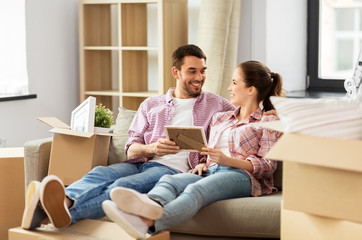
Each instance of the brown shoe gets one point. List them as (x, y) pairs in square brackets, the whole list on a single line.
[(34, 213), (52, 197)]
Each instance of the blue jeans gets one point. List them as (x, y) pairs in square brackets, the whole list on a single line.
[(183, 195), (89, 192)]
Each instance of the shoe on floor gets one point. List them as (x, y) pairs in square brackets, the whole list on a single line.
[(34, 213), (132, 224), (52, 197), (133, 202)]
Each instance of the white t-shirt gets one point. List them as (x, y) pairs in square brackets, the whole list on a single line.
[(223, 143), (182, 117)]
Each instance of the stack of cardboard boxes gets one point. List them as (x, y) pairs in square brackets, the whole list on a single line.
[(12, 187), (322, 187)]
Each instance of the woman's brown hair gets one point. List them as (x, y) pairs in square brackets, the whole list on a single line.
[(266, 82)]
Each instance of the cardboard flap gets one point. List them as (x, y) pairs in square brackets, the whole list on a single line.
[(329, 152), (71, 132), (53, 122)]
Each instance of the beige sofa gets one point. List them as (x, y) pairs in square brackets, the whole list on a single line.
[(242, 218)]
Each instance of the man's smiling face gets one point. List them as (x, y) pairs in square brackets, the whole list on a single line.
[(191, 77)]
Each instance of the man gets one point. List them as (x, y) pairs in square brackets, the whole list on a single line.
[(150, 154)]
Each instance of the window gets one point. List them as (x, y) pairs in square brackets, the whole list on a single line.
[(334, 41), (13, 72)]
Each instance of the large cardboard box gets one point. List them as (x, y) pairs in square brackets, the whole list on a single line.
[(321, 176), (301, 226), (75, 153), (84, 229), (12, 187)]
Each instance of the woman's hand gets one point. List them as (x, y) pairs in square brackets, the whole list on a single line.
[(215, 155), (199, 169)]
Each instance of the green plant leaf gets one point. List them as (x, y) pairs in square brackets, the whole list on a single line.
[(103, 117)]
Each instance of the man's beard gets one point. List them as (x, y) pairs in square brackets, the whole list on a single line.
[(189, 92)]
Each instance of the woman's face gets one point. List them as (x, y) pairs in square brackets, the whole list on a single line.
[(239, 92)]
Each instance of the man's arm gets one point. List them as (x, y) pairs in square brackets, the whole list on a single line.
[(227, 106), (160, 148)]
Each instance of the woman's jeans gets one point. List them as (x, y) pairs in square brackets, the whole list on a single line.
[(89, 192), (183, 195)]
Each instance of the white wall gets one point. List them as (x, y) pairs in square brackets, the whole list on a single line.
[(52, 55), (286, 41), (273, 32)]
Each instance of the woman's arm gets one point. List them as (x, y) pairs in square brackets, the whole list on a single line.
[(217, 156), (264, 167)]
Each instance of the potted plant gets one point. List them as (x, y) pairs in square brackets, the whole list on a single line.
[(103, 119)]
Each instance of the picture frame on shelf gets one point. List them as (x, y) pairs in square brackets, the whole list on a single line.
[(82, 118)]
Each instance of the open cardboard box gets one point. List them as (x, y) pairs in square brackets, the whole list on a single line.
[(75, 153), (321, 176), (300, 226), (84, 229)]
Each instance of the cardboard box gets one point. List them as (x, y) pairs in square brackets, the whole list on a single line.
[(75, 153), (12, 187), (84, 229), (321, 176), (301, 226)]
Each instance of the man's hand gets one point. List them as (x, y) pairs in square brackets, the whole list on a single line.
[(273, 112), (199, 169), (163, 147), (215, 155)]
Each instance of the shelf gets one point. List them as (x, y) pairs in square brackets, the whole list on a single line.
[(140, 94), (139, 48), (99, 1), (128, 48), (101, 48), (124, 94), (116, 1), (140, 1)]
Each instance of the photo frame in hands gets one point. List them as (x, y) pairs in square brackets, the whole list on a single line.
[(83, 116), (188, 138)]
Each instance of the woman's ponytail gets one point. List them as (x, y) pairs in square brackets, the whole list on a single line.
[(275, 89)]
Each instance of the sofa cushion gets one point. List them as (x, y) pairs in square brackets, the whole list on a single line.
[(116, 148), (36, 159), (247, 217)]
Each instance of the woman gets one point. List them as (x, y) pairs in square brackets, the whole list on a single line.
[(235, 166)]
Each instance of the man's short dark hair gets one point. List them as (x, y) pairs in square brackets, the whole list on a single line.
[(186, 50)]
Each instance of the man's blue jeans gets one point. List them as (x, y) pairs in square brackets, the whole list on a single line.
[(183, 195), (89, 192)]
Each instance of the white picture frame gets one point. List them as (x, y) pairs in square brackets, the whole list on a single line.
[(83, 116)]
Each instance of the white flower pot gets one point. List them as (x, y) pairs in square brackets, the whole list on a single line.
[(101, 130)]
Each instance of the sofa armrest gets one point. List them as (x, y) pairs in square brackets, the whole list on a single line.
[(36, 159)]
